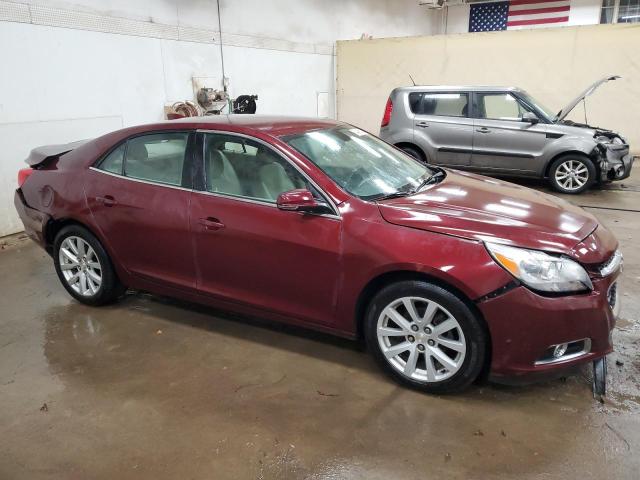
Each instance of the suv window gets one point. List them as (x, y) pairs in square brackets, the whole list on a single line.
[(158, 157), (245, 168), (499, 106), (451, 104)]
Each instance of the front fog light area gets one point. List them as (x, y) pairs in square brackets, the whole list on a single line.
[(562, 352)]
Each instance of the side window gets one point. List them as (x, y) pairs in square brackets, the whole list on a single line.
[(113, 162), (158, 157), (499, 106), (445, 104), (244, 168)]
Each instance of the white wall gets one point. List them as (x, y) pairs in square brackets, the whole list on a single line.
[(582, 12), (77, 70)]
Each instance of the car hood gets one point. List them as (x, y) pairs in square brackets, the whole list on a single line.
[(480, 208), (592, 88)]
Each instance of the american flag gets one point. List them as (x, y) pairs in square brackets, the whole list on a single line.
[(518, 14)]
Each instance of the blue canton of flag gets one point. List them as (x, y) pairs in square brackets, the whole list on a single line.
[(488, 17)]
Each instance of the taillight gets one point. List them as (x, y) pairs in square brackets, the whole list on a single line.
[(23, 174), (386, 118)]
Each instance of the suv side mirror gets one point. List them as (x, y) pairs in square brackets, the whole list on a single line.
[(301, 200), (530, 117)]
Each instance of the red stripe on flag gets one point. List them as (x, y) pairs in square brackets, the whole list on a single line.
[(529, 2), (538, 10), (517, 23)]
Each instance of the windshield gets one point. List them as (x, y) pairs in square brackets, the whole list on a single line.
[(360, 163), (535, 103)]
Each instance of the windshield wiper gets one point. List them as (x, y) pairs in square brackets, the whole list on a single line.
[(405, 192), (435, 178)]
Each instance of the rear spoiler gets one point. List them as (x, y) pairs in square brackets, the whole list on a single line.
[(40, 155)]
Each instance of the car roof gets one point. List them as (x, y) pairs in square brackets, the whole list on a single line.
[(455, 88), (269, 124)]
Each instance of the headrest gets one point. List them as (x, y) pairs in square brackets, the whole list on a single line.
[(215, 163), (137, 151)]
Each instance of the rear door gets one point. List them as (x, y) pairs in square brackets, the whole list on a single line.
[(502, 142), (139, 195), (443, 127)]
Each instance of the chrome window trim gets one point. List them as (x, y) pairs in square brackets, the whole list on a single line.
[(284, 156), (138, 180)]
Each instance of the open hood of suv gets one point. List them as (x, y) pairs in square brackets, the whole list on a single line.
[(481, 208), (566, 110)]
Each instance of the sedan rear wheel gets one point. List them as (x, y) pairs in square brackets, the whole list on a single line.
[(425, 336), (84, 268)]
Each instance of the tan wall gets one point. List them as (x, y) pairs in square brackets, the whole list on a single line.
[(554, 65)]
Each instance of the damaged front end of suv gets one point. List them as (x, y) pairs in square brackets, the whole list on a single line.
[(612, 156), (611, 151)]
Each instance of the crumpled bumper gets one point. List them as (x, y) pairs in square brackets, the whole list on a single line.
[(524, 325), (33, 220), (616, 164)]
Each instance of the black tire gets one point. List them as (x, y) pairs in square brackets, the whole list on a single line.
[(581, 162), (475, 335), (110, 287), (414, 152)]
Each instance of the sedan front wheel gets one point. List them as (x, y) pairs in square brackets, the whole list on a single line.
[(425, 337)]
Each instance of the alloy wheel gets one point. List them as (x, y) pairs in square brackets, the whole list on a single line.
[(421, 339), (80, 266), (572, 175)]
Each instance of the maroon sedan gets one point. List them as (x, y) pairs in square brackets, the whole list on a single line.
[(320, 224)]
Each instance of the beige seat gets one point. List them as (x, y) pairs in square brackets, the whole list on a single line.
[(220, 174), (273, 180)]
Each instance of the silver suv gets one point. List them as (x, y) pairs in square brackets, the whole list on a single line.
[(504, 131)]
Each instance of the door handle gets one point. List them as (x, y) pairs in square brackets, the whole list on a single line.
[(483, 130), (107, 200), (211, 223), (422, 124)]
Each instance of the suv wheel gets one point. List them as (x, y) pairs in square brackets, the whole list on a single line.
[(84, 268), (425, 337), (572, 174)]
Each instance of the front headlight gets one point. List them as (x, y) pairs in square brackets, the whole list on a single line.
[(541, 271)]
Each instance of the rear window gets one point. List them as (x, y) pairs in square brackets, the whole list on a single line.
[(447, 104)]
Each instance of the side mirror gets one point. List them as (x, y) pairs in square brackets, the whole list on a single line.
[(530, 117), (301, 200)]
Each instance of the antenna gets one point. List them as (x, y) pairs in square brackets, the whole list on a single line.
[(412, 80)]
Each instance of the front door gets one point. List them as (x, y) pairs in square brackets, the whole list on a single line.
[(443, 127), (139, 196), (502, 142), (249, 251)]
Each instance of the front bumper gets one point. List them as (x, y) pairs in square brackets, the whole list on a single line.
[(33, 220), (524, 324), (620, 170)]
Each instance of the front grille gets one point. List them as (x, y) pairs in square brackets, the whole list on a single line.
[(612, 295)]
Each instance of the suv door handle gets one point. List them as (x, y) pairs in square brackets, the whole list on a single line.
[(483, 130), (107, 200), (422, 124), (211, 223)]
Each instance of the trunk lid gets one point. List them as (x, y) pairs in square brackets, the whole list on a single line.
[(42, 154)]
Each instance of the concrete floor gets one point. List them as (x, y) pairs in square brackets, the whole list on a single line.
[(150, 388)]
